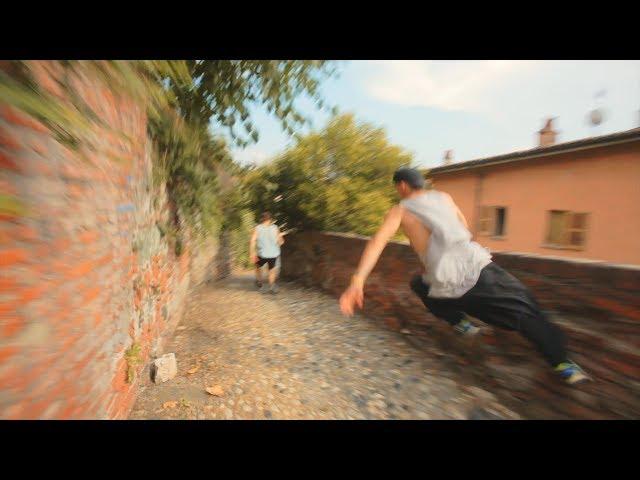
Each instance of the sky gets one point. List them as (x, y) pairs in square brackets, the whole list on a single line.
[(476, 108)]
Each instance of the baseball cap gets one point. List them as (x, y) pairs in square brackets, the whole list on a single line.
[(413, 177)]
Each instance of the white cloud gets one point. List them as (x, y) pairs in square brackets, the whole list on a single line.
[(517, 94), (250, 155), (448, 85)]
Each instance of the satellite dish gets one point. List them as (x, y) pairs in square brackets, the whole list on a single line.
[(596, 117)]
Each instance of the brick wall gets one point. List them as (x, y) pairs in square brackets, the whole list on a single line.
[(595, 303), (85, 271)]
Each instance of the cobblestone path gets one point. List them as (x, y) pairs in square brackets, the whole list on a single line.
[(294, 356)]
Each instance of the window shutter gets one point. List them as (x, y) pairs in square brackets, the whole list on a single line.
[(483, 221), (557, 227)]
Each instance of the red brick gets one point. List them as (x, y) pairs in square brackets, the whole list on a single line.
[(7, 284), (10, 325), (43, 168), (8, 163), (11, 257), (61, 244), (8, 308), (16, 117), (9, 142), (7, 188), (105, 260), (91, 294), (621, 367), (47, 79), (25, 233), (7, 352), (615, 307), (63, 311), (13, 412), (119, 382), (38, 147), (580, 412), (75, 191), (67, 412), (32, 293), (72, 172), (88, 236), (35, 373), (81, 269), (10, 376), (42, 251)]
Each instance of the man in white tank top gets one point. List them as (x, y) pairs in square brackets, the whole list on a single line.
[(460, 279), (264, 248)]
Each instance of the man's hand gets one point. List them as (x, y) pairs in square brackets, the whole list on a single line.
[(252, 246), (352, 297)]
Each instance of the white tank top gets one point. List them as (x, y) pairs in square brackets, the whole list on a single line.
[(453, 261), (267, 240)]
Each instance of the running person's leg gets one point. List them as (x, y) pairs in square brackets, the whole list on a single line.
[(445, 309), (258, 275), (259, 264), (449, 310), (272, 272), (500, 299)]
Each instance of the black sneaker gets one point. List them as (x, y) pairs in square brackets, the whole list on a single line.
[(258, 284)]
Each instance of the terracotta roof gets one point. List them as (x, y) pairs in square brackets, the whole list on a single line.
[(585, 143)]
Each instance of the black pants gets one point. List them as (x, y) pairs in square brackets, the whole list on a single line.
[(500, 299)]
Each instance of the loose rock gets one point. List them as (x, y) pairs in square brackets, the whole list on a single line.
[(164, 368)]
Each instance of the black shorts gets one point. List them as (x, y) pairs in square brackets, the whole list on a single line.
[(271, 261)]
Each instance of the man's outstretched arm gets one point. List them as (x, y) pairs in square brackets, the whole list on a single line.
[(252, 246), (280, 236), (354, 294)]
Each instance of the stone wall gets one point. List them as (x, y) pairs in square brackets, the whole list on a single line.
[(86, 270), (595, 303)]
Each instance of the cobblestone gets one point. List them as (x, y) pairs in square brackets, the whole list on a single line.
[(294, 356)]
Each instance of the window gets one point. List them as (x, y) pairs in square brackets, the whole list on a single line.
[(492, 221), (566, 229), (501, 217)]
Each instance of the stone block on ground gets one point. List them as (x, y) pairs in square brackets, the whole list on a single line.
[(164, 368)]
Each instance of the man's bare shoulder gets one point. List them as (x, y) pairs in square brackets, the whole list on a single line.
[(447, 197), (396, 211)]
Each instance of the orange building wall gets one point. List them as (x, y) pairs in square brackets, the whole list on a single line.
[(604, 182)]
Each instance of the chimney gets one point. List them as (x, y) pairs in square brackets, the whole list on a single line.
[(448, 157), (547, 134)]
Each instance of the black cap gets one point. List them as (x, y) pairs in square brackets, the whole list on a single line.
[(413, 177)]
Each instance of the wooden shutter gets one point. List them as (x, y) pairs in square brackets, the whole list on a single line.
[(486, 220), (577, 229), (557, 227)]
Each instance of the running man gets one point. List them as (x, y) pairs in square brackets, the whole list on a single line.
[(460, 279), (267, 239)]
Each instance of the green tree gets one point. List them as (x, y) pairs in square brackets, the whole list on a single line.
[(337, 179), (223, 91), (186, 101)]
